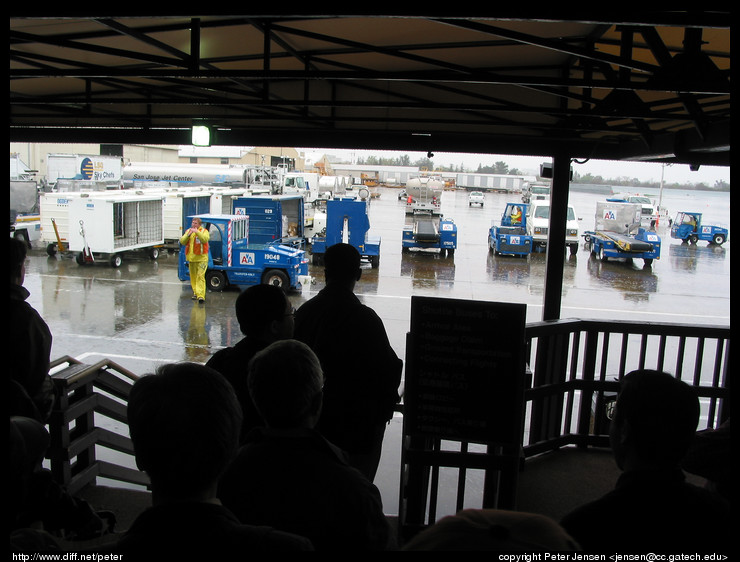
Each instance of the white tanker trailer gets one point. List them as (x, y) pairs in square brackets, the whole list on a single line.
[(136, 174)]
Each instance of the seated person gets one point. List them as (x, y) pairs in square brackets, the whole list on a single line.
[(184, 423), (495, 530), (287, 475), (265, 315), (652, 508)]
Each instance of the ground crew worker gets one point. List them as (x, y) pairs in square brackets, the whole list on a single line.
[(195, 241), (516, 216)]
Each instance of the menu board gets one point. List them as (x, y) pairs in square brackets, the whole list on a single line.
[(465, 366)]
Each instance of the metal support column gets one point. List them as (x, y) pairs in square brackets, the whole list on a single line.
[(556, 237)]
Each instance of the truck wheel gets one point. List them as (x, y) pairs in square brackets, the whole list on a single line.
[(693, 239), (154, 253), (719, 239), (374, 261), (51, 249), (648, 262), (277, 278), (215, 281), (116, 260), (602, 255)]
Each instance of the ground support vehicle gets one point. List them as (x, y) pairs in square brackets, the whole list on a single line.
[(476, 198), (535, 192), (430, 231), (234, 259), (25, 220), (649, 217), (538, 225), (510, 237), (613, 235), (424, 195), (689, 228), (273, 219), (105, 225), (346, 221)]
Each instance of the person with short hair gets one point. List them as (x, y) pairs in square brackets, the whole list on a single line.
[(29, 385), (287, 475), (652, 508), (265, 315), (362, 371), (184, 422)]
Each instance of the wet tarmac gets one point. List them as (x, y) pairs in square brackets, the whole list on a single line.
[(140, 315)]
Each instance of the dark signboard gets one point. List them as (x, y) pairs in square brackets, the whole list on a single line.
[(465, 370)]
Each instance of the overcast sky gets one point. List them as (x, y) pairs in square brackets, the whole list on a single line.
[(675, 173)]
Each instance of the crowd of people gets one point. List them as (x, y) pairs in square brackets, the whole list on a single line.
[(274, 444)]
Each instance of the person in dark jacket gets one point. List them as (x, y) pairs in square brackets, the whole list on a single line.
[(652, 508), (287, 475), (30, 387), (184, 422), (265, 315), (362, 371)]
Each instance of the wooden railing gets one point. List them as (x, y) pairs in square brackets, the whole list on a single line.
[(574, 368), (84, 392)]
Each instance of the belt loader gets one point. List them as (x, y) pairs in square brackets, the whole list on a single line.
[(612, 236)]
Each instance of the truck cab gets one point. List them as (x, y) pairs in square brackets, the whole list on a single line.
[(510, 237), (538, 224), (648, 214), (234, 260), (689, 228)]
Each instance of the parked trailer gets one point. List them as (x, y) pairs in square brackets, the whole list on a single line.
[(183, 174), (613, 236), (55, 224), (510, 236), (347, 221), (424, 195), (490, 182), (234, 258), (104, 226), (88, 167), (689, 228)]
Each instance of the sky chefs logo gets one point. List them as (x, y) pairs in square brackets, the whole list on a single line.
[(97, 170), (86, 169)]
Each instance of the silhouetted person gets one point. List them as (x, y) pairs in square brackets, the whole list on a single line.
[(652, 508), (361, 369), (41, 512), (265, 315), (710, 457), (288, 475), (184, 423), (29, 386), (493, 530)]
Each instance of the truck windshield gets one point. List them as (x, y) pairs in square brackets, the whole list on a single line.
[(543, 212)]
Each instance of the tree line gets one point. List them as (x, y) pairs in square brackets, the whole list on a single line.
[(502, 168)]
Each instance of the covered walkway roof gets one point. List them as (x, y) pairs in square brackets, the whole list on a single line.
[(626, 84), (570, 85)]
